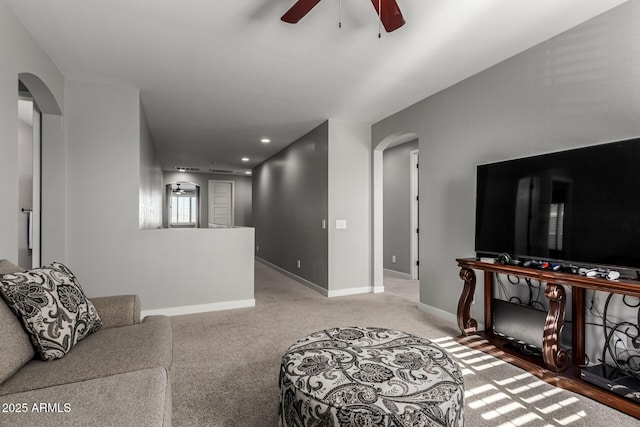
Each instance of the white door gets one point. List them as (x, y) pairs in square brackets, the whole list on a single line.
[(221, 202)]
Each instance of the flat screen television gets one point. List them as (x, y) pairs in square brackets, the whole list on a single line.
[(579, 206)]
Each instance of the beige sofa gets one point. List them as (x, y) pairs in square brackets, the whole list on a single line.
[(119, 375)]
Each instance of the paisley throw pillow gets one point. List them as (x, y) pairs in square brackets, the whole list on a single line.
[(52, 307)]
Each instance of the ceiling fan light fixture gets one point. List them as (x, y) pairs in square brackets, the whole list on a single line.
[(178, 190), (298, 11), (389, 14), (388, 11)]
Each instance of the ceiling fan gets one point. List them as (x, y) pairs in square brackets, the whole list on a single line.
[(178, 190), (388, 11)]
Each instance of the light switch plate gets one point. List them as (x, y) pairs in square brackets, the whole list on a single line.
[(341, 224)]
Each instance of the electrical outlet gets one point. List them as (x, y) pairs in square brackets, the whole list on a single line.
[(299, 264), (393, 259), (257, 248)]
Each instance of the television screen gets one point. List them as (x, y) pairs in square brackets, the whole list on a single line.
[(578, 206)]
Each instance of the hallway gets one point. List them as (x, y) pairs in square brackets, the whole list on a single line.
[(404, 288)]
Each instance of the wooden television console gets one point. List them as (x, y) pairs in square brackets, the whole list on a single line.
[(557, 366)]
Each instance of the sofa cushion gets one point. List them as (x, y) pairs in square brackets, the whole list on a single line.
[(52, 307), (8, 267), (15, 347), (118, 310), (106, 352), (138, 398)]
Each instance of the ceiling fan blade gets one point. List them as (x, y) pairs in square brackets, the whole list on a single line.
[(299, 10), (390, 14)]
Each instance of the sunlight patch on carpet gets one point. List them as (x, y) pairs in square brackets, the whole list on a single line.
[(522, 420), (572, 418), (494, 394), (542, 396)]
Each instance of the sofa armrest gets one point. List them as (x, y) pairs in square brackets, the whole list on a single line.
[(118, 310)]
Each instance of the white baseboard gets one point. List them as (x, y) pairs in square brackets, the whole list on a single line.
[(355, 291), (200, 308), (398, 274), (298, 279), (321, 290), (445, 315)]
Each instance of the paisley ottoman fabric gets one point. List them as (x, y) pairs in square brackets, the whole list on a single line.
[(369, 377)]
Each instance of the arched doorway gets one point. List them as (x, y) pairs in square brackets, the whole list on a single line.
[(182, 207), (47, 211), (378, 220)]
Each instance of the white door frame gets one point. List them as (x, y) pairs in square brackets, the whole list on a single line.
[(378, 220), (50, 169), (30, 236), (414, 215), (37, 189)]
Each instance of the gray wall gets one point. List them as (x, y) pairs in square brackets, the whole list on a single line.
[(349, 199), (106, 248), (290, 200), (242, 215), (325, 175), (579, 88), (397, 207), (91, 202), (150, 204), (21, 54), (54, 199)]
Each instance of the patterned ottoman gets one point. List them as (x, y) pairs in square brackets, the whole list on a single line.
[(369, 377)]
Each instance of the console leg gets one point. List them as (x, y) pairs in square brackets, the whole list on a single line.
[(466, 323), (555, 357)]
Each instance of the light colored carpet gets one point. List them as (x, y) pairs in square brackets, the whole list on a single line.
[(401, 287), (227, 362)]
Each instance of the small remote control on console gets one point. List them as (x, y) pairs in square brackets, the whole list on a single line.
[(568, 268), (602, 273), (564, 268), (613, 275)]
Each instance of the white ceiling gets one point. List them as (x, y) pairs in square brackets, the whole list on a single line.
[(216, 76)]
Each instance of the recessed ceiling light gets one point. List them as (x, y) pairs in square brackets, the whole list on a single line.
[(248, 172), (265, 140), (245, 159)]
